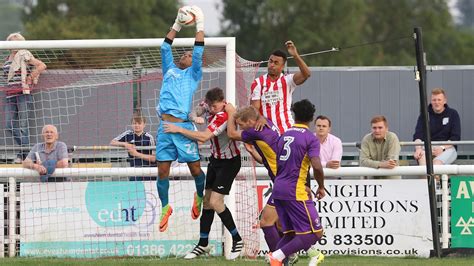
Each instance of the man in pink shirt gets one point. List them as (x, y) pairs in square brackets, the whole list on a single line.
[(331, 146)]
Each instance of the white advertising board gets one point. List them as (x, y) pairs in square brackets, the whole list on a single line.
[(370, 217), (94, 219)]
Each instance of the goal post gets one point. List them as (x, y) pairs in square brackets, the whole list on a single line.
[(88, 91)]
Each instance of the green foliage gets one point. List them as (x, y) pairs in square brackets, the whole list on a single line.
[(262, 26), (89, 19)]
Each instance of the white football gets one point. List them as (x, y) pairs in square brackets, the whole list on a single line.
[(185, 16)]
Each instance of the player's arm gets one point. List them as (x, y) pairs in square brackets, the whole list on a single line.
[(251, 149), (196, 114), (262, 121), (318, 176), (198, 50), (201, 136), (232, 131), (166, 53), (304, 72)]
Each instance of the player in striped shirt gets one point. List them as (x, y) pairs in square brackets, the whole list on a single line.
[(272, 93), (224, 164), (298, 150)]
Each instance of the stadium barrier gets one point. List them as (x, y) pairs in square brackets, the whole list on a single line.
[(14, 176)]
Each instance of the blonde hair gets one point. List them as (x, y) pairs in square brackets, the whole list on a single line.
[(246, 113), (437, 91), (16, 36)]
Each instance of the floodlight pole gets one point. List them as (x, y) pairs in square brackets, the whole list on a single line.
[(421, 77)]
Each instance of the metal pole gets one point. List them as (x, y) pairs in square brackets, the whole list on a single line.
[(421, 73), (137, 86)]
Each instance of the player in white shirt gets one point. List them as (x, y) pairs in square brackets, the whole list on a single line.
[(272, 93)]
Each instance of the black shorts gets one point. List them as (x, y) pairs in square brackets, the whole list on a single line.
[(221, 174)]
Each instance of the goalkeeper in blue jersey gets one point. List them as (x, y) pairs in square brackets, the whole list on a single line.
[(180, 81)]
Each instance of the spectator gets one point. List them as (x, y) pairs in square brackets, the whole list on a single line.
[(130, 139), (22, 71), (47, 156), (381, 148), (445, 125), (331, 146)]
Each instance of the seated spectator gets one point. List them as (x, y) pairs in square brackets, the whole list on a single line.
[(445, 125), (47, 156), (381, 148), (130, 139), (22, 71), (331, 146)]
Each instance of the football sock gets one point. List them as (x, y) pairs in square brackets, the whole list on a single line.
[(299, 242), (272, 237), (228, 222), (199, 182), (163, 185), (205, 224)]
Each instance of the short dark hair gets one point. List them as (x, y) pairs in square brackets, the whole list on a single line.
[(214, 95), (281, 54), (304, 111), (323, 117)]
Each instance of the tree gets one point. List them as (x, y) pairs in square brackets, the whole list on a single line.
[(96, 19), (262, 26)]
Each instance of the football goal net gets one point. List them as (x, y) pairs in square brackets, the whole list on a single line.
[(90, 92)]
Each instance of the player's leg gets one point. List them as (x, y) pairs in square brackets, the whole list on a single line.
[(205, 224), (303, 219), (165, 154), (199, 181), (226, 171), (207, 217), (188, 152), (163, 185), (268, 225)]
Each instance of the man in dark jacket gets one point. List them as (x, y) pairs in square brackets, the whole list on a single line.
[(445, 125)]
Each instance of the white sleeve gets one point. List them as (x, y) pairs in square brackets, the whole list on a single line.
[(290, 82), (256, 90)]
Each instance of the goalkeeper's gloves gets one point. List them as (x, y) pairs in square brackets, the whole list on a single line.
[(199, 15), (176, 26)]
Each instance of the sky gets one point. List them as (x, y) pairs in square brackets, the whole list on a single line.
[(211, 14)]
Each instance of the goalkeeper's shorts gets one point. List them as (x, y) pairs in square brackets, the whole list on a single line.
[(172, 146)]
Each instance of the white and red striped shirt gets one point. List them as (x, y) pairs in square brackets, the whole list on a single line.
[(275, 97), (222, 147)]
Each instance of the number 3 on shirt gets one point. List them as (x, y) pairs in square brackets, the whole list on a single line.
[(288, 140)]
